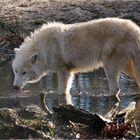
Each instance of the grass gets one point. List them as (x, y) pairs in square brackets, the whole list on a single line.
[(40, 21)]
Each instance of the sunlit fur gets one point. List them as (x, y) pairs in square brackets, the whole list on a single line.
[(111, 43)]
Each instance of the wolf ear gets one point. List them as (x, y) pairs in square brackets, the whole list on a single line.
[(16, 50), (34, 58)]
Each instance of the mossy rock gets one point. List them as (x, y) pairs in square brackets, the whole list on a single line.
[(24, 123)]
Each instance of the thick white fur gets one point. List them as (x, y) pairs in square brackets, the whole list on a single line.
[(111, 43)]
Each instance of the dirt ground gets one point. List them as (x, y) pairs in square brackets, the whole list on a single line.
[(19, 17), (29, 14)]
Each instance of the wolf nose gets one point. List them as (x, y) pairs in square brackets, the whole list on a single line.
[(16, 87)]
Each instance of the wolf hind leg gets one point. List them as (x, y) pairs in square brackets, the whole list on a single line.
[(133, 69), (137, 67), (113, 75)]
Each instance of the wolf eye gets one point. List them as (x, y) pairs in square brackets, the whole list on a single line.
[(24, 73)]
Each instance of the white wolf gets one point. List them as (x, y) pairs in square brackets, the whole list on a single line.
[(111, 43)]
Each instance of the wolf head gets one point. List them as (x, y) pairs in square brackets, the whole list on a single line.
[(27, 68)]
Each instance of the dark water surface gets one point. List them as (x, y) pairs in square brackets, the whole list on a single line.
[(89, 91)]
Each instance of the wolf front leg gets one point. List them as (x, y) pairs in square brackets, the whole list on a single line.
[(65, 78)]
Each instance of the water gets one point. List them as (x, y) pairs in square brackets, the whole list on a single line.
[(89, 91)]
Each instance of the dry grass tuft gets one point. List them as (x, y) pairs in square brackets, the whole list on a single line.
[(11, 32)]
